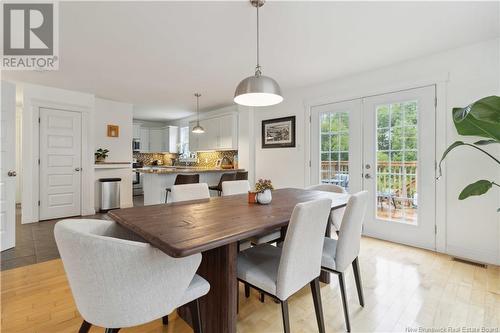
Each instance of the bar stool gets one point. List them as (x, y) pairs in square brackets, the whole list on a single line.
[(226, 177), (242, 175), (183, 179)]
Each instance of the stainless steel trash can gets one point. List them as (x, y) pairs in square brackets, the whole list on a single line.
[(110, 193)]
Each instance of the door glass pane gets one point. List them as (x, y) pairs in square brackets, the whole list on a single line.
[(334, 148), (397, 131)]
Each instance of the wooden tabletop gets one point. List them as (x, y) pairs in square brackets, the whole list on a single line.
[(184, 228)]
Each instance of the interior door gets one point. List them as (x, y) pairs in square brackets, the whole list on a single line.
[(8, 167), (399, 166), (60, 163), (336, 144)]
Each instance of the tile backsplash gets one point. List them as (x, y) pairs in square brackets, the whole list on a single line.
[(206, 159)]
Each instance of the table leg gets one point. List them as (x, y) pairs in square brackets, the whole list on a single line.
[(218, 307), (325, 276)]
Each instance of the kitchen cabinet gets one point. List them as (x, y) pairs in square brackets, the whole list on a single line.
[(170, 139), (155, 140), (144, 138), (136, 131), (221, 133)]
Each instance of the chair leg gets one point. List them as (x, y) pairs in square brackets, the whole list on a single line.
[(111, 330), (286, 320), (318, 307), (194, 308), (247, 290), (359, 285), (85, 328), (164, 320), (344, 301)]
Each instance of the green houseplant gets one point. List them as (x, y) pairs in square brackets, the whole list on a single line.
[(101, 154), (481, 118)]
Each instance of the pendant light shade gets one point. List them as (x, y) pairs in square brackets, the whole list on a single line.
[(258, 90), (198, 129)]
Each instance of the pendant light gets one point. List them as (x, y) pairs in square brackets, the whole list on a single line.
[(198, 129), (258, 90)]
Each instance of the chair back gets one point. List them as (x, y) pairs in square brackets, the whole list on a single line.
[(242, 175), (336, 215), (226, 177), (350, 231), (300, 261), (116, 279), (187, 179), (235, 187), (189, 192)]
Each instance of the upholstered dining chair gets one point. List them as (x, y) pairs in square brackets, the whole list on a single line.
[(189, 192), (226, 177), (235, 187), (118, 280), (337, 214), (242, 175), (282, 271), (339, 254), (181, 179)]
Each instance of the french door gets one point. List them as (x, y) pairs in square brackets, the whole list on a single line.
[(387, 149)]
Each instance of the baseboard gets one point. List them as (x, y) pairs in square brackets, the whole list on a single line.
[(486, 257)]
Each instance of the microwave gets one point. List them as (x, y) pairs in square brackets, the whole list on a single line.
[(136, 145)]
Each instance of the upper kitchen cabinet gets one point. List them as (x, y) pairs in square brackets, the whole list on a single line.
[(136, 131), (170, 139), (221, 133), (144, 139), (155, 140)]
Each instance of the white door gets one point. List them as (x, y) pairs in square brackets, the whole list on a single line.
[(399, 166), (60, 163), (8, 167), (384, 144), (336, 155)]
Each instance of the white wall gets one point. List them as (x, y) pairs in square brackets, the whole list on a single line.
[(120, 148), (471, 228)]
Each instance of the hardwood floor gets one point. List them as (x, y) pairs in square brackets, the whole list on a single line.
[(404, 287)]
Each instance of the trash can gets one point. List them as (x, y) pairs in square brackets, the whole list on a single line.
[(110, 193)]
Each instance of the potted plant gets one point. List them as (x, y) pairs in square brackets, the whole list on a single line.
[(100, 155), (263, 189), (481, 118)]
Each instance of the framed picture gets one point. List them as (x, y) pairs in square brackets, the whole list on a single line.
[(278, 133), (113, 131)]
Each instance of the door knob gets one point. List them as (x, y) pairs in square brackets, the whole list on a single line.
[(11, 173), (77, 169), (367, 176)]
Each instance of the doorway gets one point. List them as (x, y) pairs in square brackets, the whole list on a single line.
[(384, 144)]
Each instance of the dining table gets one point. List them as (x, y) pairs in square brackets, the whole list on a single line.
[(214, 227)]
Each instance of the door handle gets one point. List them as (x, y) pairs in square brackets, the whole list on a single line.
[(77, 169), (368, 176), (11, 173)]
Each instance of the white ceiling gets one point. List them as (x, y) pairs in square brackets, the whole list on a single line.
[(157, 54)]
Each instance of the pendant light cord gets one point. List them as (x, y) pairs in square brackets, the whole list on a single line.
[(197, 108), (257, 68)]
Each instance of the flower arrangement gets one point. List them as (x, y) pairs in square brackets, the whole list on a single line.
[(263, 184), (101, 154)]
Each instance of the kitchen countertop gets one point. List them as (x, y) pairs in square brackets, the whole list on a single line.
[(181, 169)]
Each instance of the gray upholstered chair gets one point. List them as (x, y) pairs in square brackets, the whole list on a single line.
[(235, 187), (339, 254), (281, 272), (188, 192), (118, 280), (337, 214)]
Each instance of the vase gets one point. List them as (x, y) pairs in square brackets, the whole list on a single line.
[(265, 197)]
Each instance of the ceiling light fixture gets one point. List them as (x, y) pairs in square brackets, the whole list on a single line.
[(258, 90), (198, 129)]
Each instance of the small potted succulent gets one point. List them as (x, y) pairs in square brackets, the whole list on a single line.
[(100, 155), (263, 189)]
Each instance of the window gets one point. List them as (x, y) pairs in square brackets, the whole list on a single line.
[(184, 141), (334, 148)]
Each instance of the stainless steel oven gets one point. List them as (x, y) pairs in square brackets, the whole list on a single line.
[(137, 180)]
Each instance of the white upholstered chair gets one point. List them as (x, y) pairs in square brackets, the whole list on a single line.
[(337, 214), (118, 280), (235, 187), (281, 272), (339, 254), (188, 192)]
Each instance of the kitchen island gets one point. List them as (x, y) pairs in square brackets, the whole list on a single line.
[(157, 179)]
